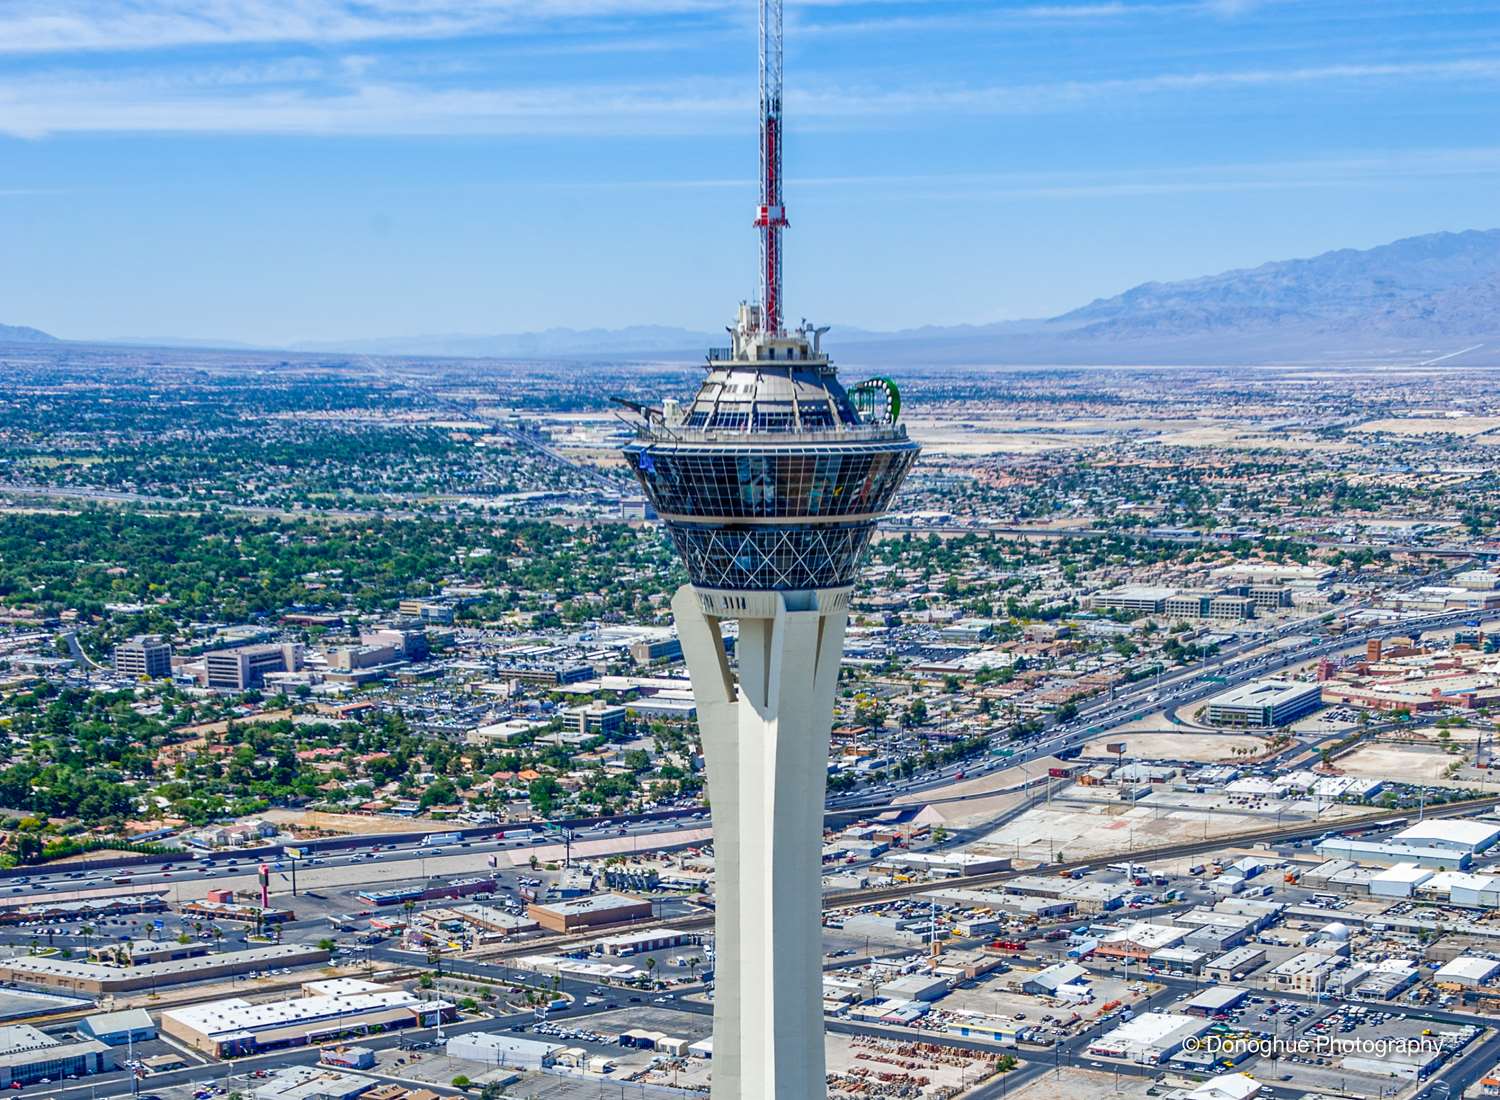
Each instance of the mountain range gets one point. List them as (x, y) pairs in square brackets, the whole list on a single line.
[(20, 334), (1415, 299)]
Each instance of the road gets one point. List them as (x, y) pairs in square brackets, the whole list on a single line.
[(1253, 659)]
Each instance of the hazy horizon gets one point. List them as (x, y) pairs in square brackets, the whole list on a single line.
[(315, 170)]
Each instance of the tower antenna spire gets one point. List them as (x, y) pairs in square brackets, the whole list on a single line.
[(771, 215)]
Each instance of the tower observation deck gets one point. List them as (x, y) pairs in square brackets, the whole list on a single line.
[(770, 482)]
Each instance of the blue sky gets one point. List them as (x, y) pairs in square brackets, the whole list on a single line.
[(283, 170)]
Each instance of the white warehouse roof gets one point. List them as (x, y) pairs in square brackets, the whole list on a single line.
[(1156, 1030), (1405, 873), (1475, 835), (1468, 970)]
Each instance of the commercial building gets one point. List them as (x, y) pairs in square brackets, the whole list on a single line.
[(502, 1050), (1387, 853), (312, 1083), (117, 1029), (1234, 965), (92, 979), (1400, 881), (915, 987), (949, 863), (1475, 891), (429, 611), (596, 719), (543, 673), (650, 651), (238, 912), (234, 1027), (1215, 1000), (245, 667), (1209, 605), (1049, 981), (1467, 972), (1453, 834), (596, 911), (405, 643), (1263, 704), (1266, 597), (635, 943), (28, 1056), (1148, 1039), (1140, 940), (1140, 598), (1309, 972), (128, 900), (430, 890), (146, 656)]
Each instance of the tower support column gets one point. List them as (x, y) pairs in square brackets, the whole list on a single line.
[(765, 744)]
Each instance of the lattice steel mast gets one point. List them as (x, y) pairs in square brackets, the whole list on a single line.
[(771, 215)]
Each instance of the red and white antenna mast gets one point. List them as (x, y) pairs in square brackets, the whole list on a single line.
[(771, 216)]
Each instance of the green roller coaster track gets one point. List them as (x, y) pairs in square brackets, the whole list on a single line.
[(867, 397)]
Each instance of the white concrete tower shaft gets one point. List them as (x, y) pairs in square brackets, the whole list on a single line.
[(765, 743)]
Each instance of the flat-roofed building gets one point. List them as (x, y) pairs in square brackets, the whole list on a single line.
[(234, 1026), (246, 667), (1455, 834), (1387, 853), (1467, 972), (1309, 972), (1135, 597), (73, 976), (1400, 881), (650, 651), (146, 656), (1233, 965), (116, 1029), (595, 911), (1148, 1039), (1140, 940), (596, 719), (1475, 891), (949, 863), (1215, 1000), (502, 1050), (1218, 606), (1263, 704), (29, 1056)]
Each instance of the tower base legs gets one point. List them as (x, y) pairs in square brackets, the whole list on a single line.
[(765, 743)]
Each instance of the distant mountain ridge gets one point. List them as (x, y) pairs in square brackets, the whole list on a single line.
[(21, 334), (1399, 282), (1414, 299), (1434, 293)]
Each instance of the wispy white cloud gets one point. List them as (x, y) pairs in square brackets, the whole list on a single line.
[(61, 26), (358, 96), (1374, 169), (75, 26)]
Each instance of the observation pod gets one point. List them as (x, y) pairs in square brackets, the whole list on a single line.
[(771, 480), (770, 484)]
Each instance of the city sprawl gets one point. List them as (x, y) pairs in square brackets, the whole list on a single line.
[(349, 748)]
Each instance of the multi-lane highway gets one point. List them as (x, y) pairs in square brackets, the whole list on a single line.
[(1260, 656)]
